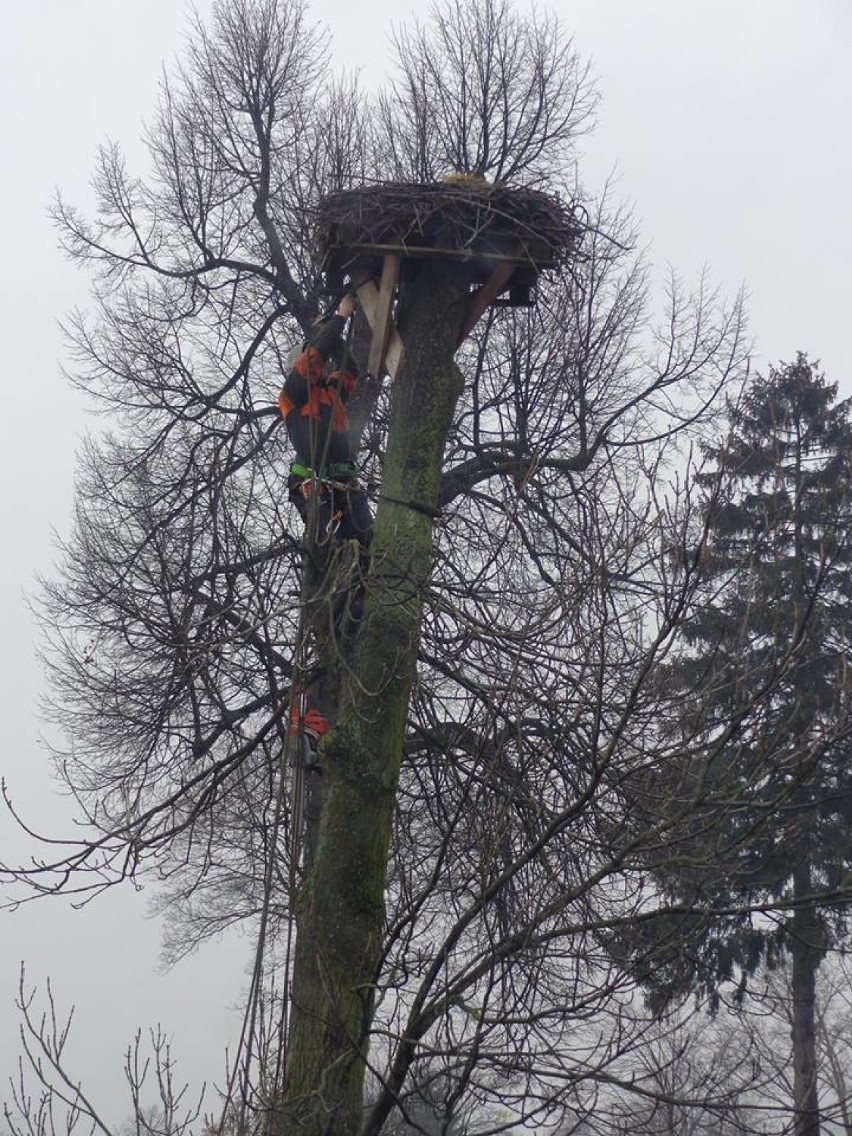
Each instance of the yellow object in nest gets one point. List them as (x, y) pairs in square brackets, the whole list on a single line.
[(475, 181)]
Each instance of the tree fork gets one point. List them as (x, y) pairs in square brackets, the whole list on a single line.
[(341, 910)]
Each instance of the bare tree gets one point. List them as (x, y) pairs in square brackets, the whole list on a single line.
[(695, 1076), (767, 1014), (59, 1102), (483, 90), (459, 928)]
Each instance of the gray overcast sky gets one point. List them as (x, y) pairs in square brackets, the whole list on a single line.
[(726, 124)]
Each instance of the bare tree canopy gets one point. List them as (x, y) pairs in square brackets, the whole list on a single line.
[(476, 852)]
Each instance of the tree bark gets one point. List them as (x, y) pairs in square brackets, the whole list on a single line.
[(805, 953), (805, 932), (341, 910)]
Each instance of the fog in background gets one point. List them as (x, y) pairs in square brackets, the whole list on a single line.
[(726, 125)]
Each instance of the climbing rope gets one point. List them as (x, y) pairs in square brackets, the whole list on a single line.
[(284, 760), (290, 758), (289, 761)]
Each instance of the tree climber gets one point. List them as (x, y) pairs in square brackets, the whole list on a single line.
[(313, 406), (323, 479)]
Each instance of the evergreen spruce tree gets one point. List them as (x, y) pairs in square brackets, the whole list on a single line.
[(772, 843)]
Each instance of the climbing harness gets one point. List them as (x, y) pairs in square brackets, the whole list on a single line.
[(343, 473)]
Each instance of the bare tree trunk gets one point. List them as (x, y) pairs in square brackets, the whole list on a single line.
[(805, 953), (341, 911)]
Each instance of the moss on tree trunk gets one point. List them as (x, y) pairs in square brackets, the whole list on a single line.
[(341, 909)]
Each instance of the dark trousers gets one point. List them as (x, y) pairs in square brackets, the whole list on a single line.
[(341, 509)]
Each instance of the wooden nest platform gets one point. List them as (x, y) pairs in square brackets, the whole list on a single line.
[(506, 237)]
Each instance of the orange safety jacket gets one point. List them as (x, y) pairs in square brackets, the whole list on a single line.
[(332, 390)]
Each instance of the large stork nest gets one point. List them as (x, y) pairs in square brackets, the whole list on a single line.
[(463, 218)]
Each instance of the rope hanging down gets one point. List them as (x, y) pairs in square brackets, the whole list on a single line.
[(290, 764), (287, 759)]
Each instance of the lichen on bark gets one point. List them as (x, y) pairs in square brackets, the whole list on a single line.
[(341, 909)]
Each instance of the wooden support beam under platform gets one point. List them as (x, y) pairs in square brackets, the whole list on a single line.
[(341, 257), (386, 348), (484, 297), (382, 326)]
